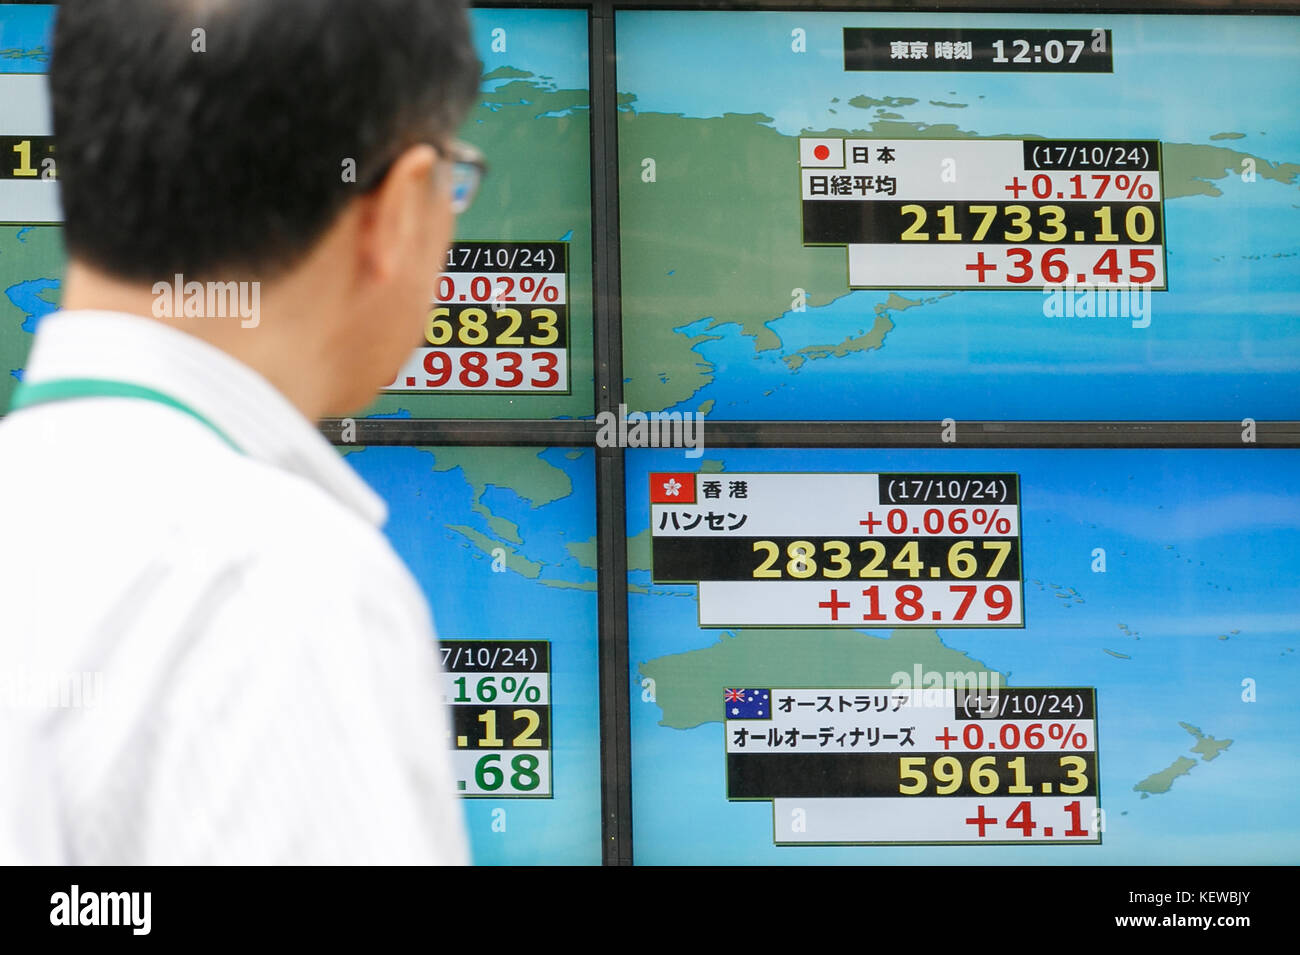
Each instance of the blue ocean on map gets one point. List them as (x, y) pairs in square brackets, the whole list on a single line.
[(25, 38), (26, 296)]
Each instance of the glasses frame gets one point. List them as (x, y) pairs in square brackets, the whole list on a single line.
[(468, 167)]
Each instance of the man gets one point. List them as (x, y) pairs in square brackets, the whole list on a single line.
[(177, 536)]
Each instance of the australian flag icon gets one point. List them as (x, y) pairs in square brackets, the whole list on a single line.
[(748, 704)]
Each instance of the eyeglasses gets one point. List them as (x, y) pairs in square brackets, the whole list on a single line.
[(467, 171)]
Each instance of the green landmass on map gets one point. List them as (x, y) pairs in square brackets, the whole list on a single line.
[(522, 470), (560, 583), (638, 551), (684, 268), (584, 552), (534, 479), (37, 54), (689, 685), (507, 467), (892, 102), (506, 73), (867, 340), (514, 560), (1207, 747), (1189, 169), (37, 255), (1160, 782)]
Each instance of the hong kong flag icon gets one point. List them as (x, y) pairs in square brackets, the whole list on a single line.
[(672, 488), (821, 152)]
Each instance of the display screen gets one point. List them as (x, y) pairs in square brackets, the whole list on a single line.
[(840, 216), (503, 543), (869, 690), (509, 333)]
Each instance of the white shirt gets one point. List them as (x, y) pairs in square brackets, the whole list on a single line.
[(255, 666)]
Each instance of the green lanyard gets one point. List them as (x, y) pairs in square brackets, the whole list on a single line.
[(63, 389)]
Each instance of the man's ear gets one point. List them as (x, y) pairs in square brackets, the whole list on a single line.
[(394, 212)]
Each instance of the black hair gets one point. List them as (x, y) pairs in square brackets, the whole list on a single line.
[(205, 136)]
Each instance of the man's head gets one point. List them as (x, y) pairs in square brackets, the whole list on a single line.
[(299, 143)]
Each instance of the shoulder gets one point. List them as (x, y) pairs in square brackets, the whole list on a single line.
[(299, 542), (196, 526)]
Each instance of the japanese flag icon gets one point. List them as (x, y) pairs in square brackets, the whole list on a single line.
[(821, 152)]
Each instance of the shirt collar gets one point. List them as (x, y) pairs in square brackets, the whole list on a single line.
[(266, 426)]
